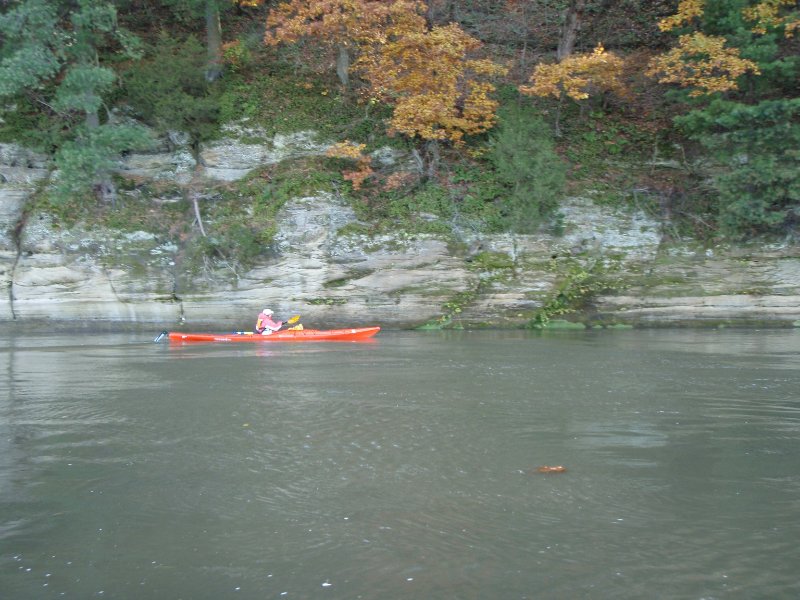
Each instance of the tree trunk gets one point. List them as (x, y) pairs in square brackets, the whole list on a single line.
[(196, 207), (446, 10), (343, 66), (432, 156), (569, 30), (558, 115), (419, 162), (105, 191), (213, 42)]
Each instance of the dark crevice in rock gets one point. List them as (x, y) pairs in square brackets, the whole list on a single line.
[(16, 236), (175, 297)]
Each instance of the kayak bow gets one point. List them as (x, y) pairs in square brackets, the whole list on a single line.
[(286, 335)]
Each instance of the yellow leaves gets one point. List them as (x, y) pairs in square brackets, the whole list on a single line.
[(704, 62), (346, 149), (578, 76), (764, 14), (688, 10), (767, 14), (701, 62), (438, 91), (360, 22)]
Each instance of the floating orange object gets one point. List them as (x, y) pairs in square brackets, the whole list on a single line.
[(546, 469)]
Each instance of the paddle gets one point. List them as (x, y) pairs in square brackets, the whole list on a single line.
[(293, 320)]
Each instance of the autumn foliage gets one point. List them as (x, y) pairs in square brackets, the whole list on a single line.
[(702, 62), (353, 152), (706, 63), (578, 76), (774, 13), (346, 22), (438, 90)]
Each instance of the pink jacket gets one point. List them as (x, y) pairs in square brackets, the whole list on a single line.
[(265, 322)]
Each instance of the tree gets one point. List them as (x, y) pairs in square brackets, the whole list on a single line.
[(345, 25), (30, 51), (760, 189), (577, 77), (704, 63), (211, 13), (569, 31), (774, 14), (525, 162), (753, 134), (56, 61), (168, 89), (438, 91), (213, 41)]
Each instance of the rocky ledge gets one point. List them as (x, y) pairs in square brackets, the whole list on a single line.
[(615, 266)]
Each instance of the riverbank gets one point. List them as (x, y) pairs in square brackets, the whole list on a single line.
[(606, 266)]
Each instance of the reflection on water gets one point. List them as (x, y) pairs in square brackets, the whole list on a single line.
[(405, 468)]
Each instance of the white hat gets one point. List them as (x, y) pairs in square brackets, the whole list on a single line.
[(267, 312)]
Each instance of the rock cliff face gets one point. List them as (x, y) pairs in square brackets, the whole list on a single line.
[(612, 263)]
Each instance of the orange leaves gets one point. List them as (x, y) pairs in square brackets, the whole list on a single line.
[(353, 152), (438, 91), (348, 22), (578, 76), (701, 62)]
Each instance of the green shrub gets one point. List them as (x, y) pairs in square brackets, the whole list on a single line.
[(169, 89), (757, 148), (526, 165)]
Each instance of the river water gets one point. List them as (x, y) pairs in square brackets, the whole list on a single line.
[(404, 467)]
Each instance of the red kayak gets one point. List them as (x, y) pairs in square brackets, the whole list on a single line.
[(286, 335)]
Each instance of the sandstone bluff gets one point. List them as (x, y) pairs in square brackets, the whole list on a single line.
[(105, 278)]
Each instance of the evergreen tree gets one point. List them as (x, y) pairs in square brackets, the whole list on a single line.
[(523, 155), (169, 89), (55, 61), (748, 116), (210, 12)]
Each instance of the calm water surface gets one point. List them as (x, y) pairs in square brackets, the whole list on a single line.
[(402, 468)]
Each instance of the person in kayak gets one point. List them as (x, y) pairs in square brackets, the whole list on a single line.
[(265, 325)]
